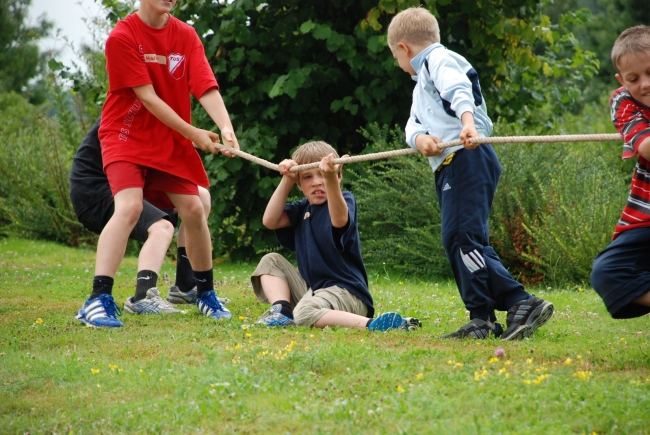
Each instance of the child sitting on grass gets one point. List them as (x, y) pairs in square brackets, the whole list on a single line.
[(621, 273), (330, 287)]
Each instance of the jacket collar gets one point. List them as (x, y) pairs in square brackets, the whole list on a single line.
[(419, 59)]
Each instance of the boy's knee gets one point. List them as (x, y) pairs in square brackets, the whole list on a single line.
[(161, 229), (193, 212), (602, 277), (130, 211), (303, 315)]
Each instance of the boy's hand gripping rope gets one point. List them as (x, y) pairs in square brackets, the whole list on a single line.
[(453, 143)]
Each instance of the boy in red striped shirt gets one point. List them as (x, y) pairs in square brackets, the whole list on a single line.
[(621, 273)]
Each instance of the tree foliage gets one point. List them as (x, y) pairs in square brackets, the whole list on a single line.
[(292, 71), (609, 19), (20, 59)]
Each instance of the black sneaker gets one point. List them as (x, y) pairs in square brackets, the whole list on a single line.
[(477, 329), (526, 316)]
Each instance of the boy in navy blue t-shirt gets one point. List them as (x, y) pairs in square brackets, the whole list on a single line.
[(330, 287)]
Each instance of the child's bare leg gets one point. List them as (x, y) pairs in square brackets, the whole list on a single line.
[(342, 318), (196, 233), (643, 300), (275, 288), (115, 235), (204, 195), (152, 254)]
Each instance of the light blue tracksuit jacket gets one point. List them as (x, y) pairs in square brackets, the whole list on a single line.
[(446, 87)]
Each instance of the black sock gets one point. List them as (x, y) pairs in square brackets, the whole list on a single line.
[(286, 308), (146, 279), (369, 322), (203, 281), (184, 274), (102, 285)]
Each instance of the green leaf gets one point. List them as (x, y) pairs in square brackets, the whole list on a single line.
[(307, 26)]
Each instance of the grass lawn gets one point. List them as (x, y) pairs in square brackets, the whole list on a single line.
[(582, 373)]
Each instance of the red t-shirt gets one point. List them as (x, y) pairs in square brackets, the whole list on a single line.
[(173, 61), (632, 120)]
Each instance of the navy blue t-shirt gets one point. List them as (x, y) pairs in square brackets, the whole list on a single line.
[(327, 256)]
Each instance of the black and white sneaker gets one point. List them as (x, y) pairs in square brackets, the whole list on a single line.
[(177, 296), (476, 329), (525, 317)]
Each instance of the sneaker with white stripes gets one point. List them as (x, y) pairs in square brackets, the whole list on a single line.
[(151, 304), (525, 317), (100, 312), (209, 305)]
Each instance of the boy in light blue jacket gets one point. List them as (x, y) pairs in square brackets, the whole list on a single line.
[(447, 105)]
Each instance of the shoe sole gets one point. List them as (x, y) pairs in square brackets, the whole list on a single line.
[(83, 320), (540, 316), (389, 321)]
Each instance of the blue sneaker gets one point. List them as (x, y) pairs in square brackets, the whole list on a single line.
[(100, 312), (273, 317), (394, 321), (210, 306)]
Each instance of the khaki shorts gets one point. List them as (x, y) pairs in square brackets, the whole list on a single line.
[(308, 306)]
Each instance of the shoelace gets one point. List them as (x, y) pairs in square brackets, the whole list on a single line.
[(110, 306), (213, 302)]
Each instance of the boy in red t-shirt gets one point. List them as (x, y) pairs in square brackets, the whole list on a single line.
[(154, 62), (621, 272)]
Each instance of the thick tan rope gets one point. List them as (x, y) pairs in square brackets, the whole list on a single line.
[(453, 143), (249, 157)]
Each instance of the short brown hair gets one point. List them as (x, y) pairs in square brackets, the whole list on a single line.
[(633, 40), (314, 151), (415, 25)]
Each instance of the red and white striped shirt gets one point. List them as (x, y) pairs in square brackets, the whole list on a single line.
[(632, 120)]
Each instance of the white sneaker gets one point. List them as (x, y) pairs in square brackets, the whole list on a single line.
[(152, 304)]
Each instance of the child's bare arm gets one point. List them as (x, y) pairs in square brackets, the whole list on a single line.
[(336, 204), (203, 139), (274, 216), (213, 104)]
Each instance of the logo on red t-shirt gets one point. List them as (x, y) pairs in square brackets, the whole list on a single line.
[(176, 65)]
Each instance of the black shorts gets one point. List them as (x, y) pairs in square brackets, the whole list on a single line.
[(96, 218)]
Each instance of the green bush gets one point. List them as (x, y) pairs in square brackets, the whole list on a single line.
[(399, 217), (34, 166), (557, 204)]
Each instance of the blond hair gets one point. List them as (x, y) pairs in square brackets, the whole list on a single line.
[(633, 40), (414, 25), (314, 151)]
